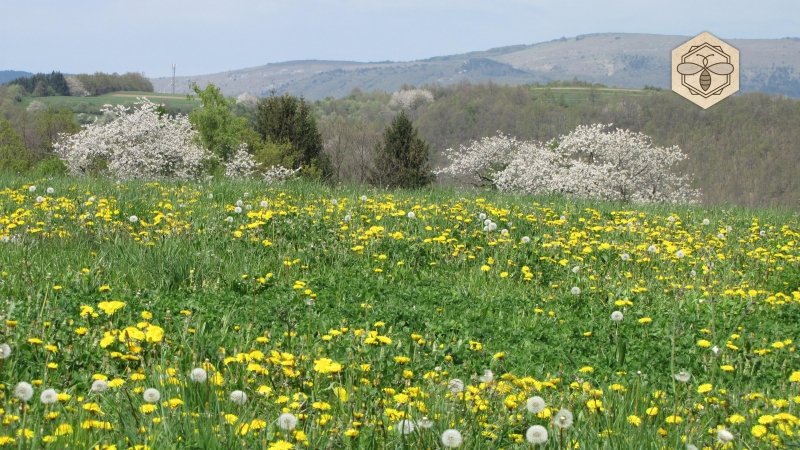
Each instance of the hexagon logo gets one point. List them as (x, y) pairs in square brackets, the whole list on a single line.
[(705, 70)]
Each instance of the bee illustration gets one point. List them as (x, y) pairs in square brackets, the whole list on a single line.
[(705, 70)]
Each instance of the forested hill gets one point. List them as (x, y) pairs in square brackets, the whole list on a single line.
[(744, 150), (612, 59), (8, 75)]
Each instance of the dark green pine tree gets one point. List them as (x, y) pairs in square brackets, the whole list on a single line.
[(401, 158)]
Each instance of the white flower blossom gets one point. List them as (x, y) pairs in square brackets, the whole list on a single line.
[(151, 395), (452, 438), (287, 421)]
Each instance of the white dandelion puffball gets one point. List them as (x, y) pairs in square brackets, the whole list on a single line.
[(287, 421), (563, 419), (425, 423), (617, 316), (724, 435), (133, 219), (625, 257), (575, 290), (535, 404), (680, 254), (48, 396), (264, 204), (50, 191), (32, 189), (238, 397), (504, 232), (481, 216), (237, 209), (99, 386), (411, 215), (492, 226), (347, 218), (151, 395), (720, 236), (39, 199), (486, 222), (487, 377), (562, 217), (363, 198), (405, 426), (715, 350), (334, 202), (198, 375), (706, 222), (23, 391), (5, 351), (671, 219), (455, 385), (452, 438), (525, 239), (536, 434), (486, 228), (683, 376), (652, 249), (239, 203), (762, 233), (210, 196), (576, 269)]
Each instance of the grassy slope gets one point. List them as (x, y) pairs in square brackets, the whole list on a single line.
[(430, 281), (92, 105)]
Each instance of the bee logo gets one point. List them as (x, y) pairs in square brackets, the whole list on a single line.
[(720, 68), (705, 70)]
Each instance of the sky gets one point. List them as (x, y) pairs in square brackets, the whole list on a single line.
[(205, 36)]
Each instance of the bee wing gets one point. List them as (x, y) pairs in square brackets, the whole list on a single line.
[(721, 68), (689, 68)]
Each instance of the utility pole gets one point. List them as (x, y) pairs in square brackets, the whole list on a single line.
[(173, 79)]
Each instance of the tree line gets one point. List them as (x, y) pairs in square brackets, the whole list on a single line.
[(742, 151), (56, 83)]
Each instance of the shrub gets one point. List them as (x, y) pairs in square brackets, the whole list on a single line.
[(591, 161), (134, 143)]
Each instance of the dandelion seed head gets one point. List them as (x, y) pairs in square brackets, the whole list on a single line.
[(151, 395), (425, 423), (198, 375), (535, 404), (405, 426), (32, 189), (48, 396), (133, 219), (23, 391), (617, 316), (455, 385), (229, 219), (536, 434), (652, 249), (525, 239), (452, 438), (487, 377), (99, 386), (575, 290), (411, 215), (482, 216), (683, 376), (563, 419), (287, 421), (5, 351), (724, 435), (576, 269), (625, 257), (39, 199), (706, 222), (237, 209), (238, 397)]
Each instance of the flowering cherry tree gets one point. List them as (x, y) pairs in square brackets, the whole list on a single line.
[(135, 143), (591, 161)]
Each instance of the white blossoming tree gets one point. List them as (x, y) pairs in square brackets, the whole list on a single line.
[(242, 164), (592, 161), (134, 143)]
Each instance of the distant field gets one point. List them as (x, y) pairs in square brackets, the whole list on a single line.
[(92, 105), (572, 95)]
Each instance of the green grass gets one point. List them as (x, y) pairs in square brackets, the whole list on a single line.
[(578, 95), (91, 105), (299, 277)]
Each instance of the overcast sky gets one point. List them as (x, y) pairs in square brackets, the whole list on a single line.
[(205, 36)]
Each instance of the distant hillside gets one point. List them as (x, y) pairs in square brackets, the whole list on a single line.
[(8, 75), (613, 59)]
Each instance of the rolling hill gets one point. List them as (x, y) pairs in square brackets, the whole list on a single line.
[(9, 75), (612, 59)]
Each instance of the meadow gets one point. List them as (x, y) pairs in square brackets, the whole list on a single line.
[(90, 106), (232, 314)]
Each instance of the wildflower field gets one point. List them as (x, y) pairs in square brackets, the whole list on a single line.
[(239, 315)]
